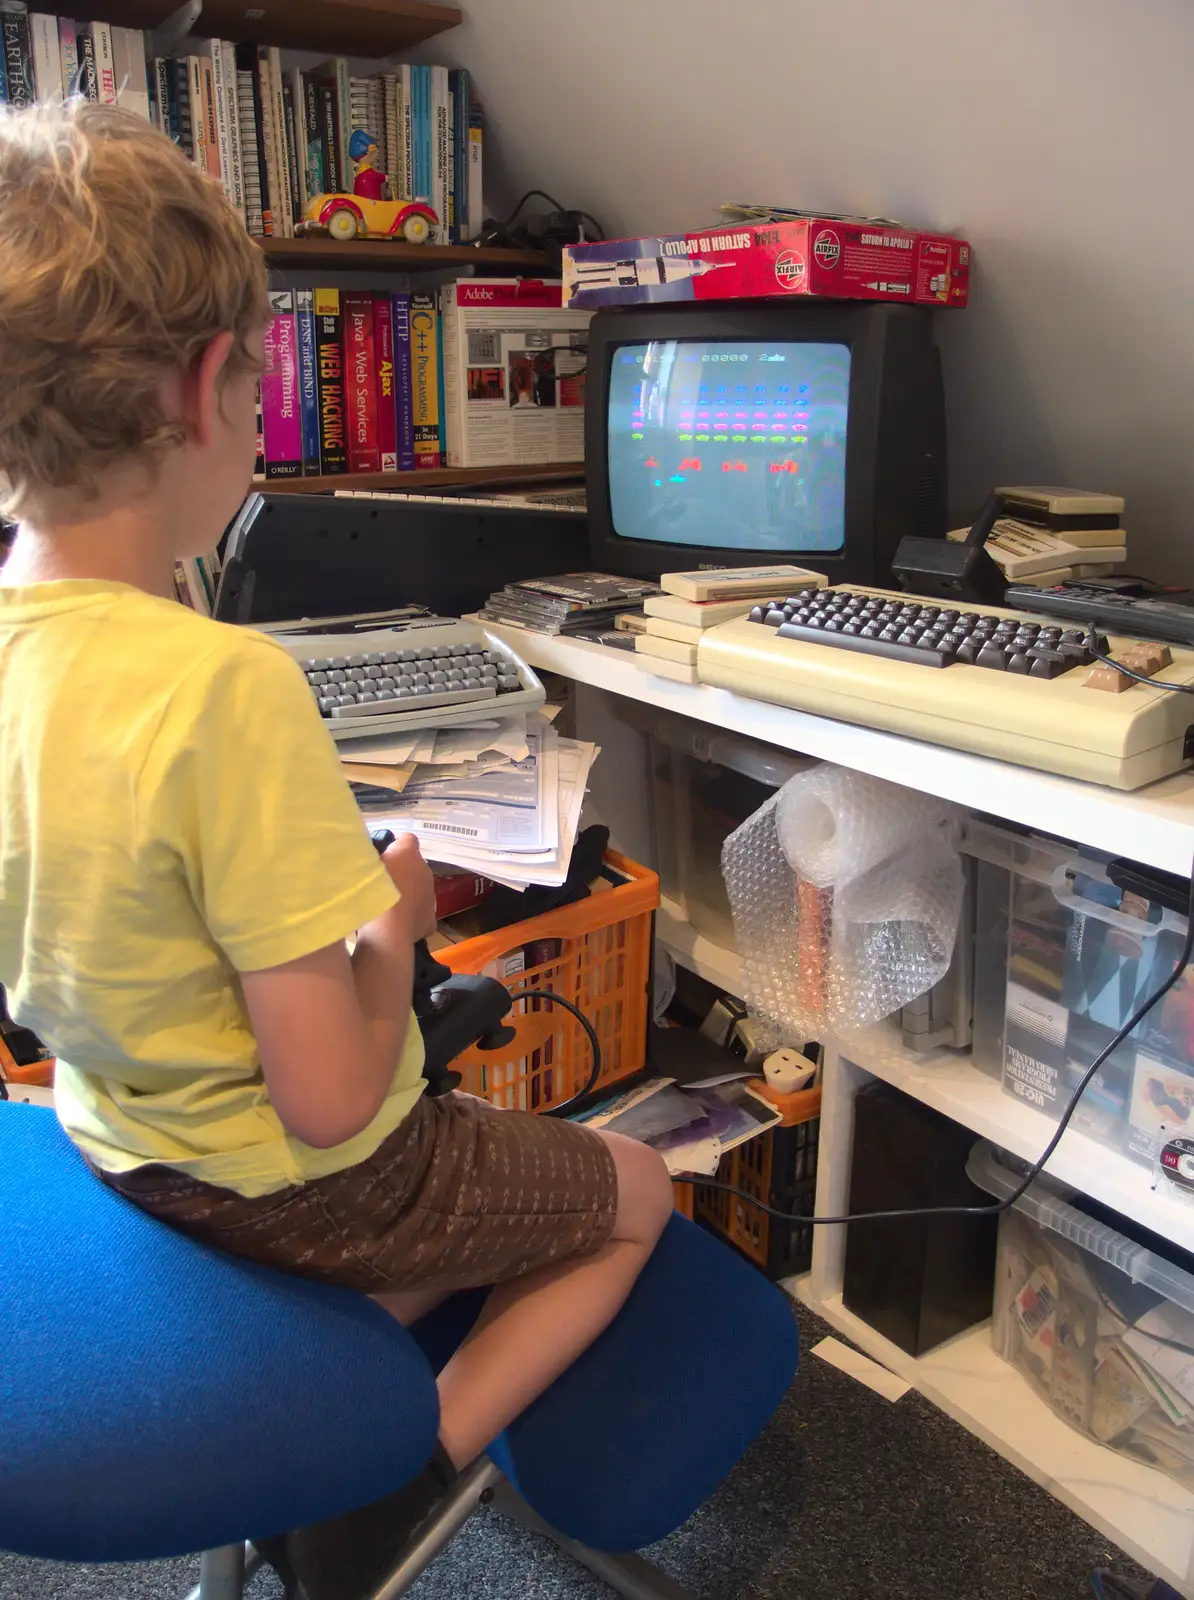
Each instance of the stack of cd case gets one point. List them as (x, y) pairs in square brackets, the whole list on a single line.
[(574, 602)]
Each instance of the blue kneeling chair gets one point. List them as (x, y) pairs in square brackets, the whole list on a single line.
[(159, 1398)]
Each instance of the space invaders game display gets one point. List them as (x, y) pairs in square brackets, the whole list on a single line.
[(739, 444), (829, 258)]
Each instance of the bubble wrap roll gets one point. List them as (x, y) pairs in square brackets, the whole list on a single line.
[(845, 893)]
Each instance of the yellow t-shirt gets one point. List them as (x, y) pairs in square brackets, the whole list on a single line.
[(172, 812)]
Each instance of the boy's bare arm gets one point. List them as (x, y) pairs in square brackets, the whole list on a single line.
[(330, 1029)]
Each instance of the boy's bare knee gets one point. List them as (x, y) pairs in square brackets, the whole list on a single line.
[(644, 1190)]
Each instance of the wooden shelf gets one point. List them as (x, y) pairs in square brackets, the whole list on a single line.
[(379, 255), (429, 478), (371, 28)]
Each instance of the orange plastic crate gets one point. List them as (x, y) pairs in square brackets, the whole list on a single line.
[(600, 960), (778, 1168)]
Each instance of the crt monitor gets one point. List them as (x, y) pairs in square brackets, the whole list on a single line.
[(746, 433)]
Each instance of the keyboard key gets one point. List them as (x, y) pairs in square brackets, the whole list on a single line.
[(356, 661), (448, 698), (991, 655), (877, 647)]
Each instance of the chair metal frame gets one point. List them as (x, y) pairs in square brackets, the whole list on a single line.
[(224, 1573)]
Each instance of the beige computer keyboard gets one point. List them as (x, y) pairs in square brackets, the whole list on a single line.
[(1018, 688)]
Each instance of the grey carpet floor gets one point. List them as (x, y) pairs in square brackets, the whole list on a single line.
[(846, 1496)]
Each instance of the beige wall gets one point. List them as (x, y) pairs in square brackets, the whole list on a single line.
[(1058, 134)]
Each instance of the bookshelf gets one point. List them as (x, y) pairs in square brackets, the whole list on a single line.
[(378, 255), (372, 28), (430, 478)]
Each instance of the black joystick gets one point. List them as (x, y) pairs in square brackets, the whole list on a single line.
[(454, 1009)]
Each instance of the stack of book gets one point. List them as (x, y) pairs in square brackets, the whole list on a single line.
[(350, 383), (694, 601), (575, 602), (273, 136), (369, 381), (46, 58)]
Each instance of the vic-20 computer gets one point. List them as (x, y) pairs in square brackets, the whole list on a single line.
[(998, 682)]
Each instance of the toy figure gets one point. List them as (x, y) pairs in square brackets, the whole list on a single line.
[(369, 181)]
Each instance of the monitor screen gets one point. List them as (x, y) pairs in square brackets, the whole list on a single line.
[(729, 444)]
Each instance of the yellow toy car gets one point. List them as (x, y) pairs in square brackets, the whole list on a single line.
[(355, 216)]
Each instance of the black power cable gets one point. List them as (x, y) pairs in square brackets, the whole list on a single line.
[(594, 1042), (1037, 1167)]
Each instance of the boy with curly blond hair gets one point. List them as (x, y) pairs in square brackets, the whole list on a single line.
[(181, 861)]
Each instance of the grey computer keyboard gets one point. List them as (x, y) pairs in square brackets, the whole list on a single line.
[(417, 673)]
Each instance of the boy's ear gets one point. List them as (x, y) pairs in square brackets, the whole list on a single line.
[(201, 389)]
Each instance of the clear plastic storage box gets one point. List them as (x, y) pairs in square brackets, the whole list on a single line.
[(1062, 959), (1101, 1326), (705, 783)]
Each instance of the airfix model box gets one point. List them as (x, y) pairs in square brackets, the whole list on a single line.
[(827, 257)]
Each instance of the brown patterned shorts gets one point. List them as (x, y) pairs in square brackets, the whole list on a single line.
[(459, 1196)]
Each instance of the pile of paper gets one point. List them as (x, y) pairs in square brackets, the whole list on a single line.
[(691, 1127), (501, 797)]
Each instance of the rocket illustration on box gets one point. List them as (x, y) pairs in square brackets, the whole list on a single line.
[(642, 272)]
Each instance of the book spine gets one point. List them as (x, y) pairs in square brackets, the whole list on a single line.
[(280, 391), (460, 85), (211, 132), (302, 155), (406, 137), (419, 112), (389, 85), (343, 119), (68, 54), (439, 150), (269, 147), (180, 83), (18, 54), (459, 891), (316, 177), (330, 137), (105, 63), (219, 115), (163, 112), (259, 463), (304, 318), (387, 410), (282, 155), (252, 126), (333, 452), (476, 152), (294, 172), (236, 169), (250, 154), (132, 84), (360, 383), (453, 421), (86, 78), (424, 341), (47, 64), (198, 113), (453, 233), (441, 427), (400, 310)]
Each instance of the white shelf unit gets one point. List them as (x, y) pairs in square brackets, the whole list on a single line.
[(1156, 823), (1145, 1513), (1140, 1509), (951, 1084)]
